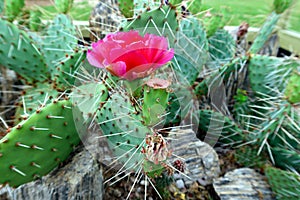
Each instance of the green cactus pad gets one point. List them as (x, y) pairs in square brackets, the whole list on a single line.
[(279, 135), (1, 6), (121, 124), (292, 91), (126, 7), (191, 49), (214, 126), (181, 102), (287, 159), (194, 6), (221, 47), (281, 5), (247, 156), (89, 97), (35, 20), (37, 145), (152, 170), (59, 40), (161, 21), (63, 6), (264, 33), (13, 8), (33, 98), (268, 74), (19, 53), (286, 185), (223, 74), (64, 76)]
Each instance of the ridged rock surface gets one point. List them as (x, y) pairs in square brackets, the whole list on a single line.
[(201, 160), (244, 183), (80, 178)]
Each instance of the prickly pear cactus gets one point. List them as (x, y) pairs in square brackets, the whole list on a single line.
[(13, 8), (292, 91), (19, 53), (32, 98), (286, 185), (63, 6), (126, 7), (59, 40), (35, 146), (119, 121), (161, 21)]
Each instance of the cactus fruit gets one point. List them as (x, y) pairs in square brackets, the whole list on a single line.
[(19, 53), (292, 91), (63, 6), (126, 7), (13, 8), (286, 185), (48, 133)]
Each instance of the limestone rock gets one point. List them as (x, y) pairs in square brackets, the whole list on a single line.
[(201, 160), (244, 183), (80, 178)]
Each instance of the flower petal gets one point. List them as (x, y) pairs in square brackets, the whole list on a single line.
[(117, 69)]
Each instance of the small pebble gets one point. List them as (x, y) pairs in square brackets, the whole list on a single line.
[(180, 184)]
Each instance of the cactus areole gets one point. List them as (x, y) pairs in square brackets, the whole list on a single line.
[(129, 55)]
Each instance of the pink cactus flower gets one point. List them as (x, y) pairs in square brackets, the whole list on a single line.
[(129, 55)]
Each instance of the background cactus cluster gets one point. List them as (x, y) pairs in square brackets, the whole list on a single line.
[(252, 100)]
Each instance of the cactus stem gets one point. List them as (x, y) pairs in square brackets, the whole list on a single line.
[(17, 170)]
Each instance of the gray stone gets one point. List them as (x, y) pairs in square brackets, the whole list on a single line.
[(80, 178), (244, 183), (180, 184), (201, 160)]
